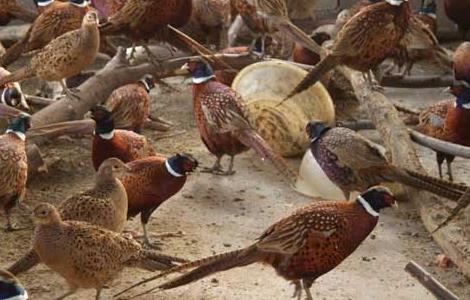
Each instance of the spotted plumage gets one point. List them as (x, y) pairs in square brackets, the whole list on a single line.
[(64, 56), (461, 61), (151, 181), (213, 17), (13, 166), (301, 247), (58, 18), (222, 121), (364, 41), (87, 256), (110, 142), (449, 121), (265, 17), (130, 104), (142, 20), (354, 163), (104, 205), (459, 12)]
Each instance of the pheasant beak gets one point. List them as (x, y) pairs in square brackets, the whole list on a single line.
[(185, 67), (395, 204)]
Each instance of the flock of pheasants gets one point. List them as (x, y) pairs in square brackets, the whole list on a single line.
[(82, 238)]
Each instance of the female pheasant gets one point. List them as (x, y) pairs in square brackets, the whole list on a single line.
[(459, 12), (353, 163), (461, 62), (268, 16), (55, 20), (222, 121), (109, 142), (449, 121), (364, 41), (301, 247), (10, 9), (130, 104), (13, 166), (151, 181), (87, 256), (214, 19)]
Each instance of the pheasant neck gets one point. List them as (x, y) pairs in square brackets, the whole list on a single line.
[(463, 99), (199, 80), (105, 129), (18, 134), (171, 169), (45, 3), (369, 209), (395, 2)]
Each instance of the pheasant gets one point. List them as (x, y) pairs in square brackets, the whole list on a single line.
[(214, 19), (459, 12), (353, 163), (130, 104), (427, 14), (227, 76), (10, 9), (104, 205), (449, 121), (64, 56), (87, 256), (109, 142), (13, 166), (304, 56), (142, 20), (268, 16), (363, 42), (153, 180), (345, 15), (461, 62), (11, 288), (301, 247), (107, 8), (55, 20), (222, 121), (12, 94)]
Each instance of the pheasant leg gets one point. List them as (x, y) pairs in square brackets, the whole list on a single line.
[(67, 91), (152, 58), (215, 168), (98, 293), (153, 245), (307, 284), (297, 289), (439, 159), (449, 160)]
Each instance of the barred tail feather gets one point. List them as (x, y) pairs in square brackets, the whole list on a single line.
[(440, 182), (299, 36), (315, 74), (220, 259), (252, 139), (18, 75), (25, 263)]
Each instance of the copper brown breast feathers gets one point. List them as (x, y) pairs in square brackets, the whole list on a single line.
[(301, 247)]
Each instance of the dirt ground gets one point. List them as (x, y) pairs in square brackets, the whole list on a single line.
[(218, 214)]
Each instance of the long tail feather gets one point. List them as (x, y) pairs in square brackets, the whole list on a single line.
[(320, 69), (252, 139), (25, 263), (216, 263), (296, 34), (463, 203), (18, 75)]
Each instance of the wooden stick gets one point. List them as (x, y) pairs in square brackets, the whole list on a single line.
[(416, 81), (40, 101), (440, 145), (429, 282)]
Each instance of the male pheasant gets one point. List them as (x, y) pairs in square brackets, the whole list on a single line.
[(222, 121), (13, 166), (459, 12), (110, 142), (448, 120), (364, 41), (354, 163), (151, 181), (55, 20), (301, 247), (130, 104), (11, 288)]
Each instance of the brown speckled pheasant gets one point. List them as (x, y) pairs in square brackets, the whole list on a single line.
[(130, 104), (214, 19), (364, 41), (461, 62), (353, 163), (57, 19), (14, 8), (87, 256), (13, 166), (301, 247), (449, 121), (151, 181), (268, 16), (345, 15), (110, 142), (104, 205), (64, 56), (222, 121)]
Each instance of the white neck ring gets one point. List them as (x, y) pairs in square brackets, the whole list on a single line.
[(171, 171), (367, 207)]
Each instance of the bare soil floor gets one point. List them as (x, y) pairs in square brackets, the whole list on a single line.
[(218, 214)]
